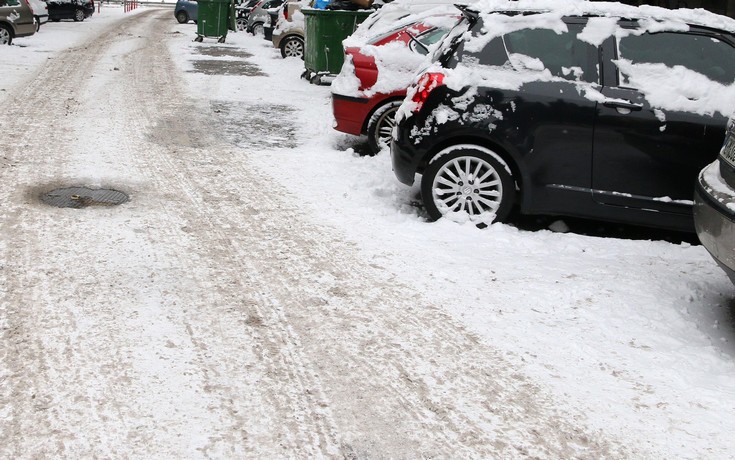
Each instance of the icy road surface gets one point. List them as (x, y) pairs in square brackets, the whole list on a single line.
[(268, 293)]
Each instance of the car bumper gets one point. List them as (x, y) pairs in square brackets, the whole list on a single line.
[(350, 113), (276, 38), (714, 217), (403, 157), (25, 29), (42, 18)]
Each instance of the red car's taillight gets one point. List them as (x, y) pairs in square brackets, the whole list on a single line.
[(426, 84), (30, 6), (285, 12)]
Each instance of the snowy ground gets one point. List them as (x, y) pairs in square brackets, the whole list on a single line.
[(633, 340)]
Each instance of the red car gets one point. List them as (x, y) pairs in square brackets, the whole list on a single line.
[(368, 105)]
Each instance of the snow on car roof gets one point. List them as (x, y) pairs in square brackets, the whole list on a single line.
[(397, 13), (698, 17), (666, 88)]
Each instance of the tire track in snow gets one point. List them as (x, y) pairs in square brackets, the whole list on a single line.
[(41, 117), (284, 340)]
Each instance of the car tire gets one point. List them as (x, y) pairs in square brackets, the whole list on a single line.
[(182, 17), (258, 29), (450, 186), (380, 126), (242, 24), (6, 35), (38, 23), (292, 46), (79, 15)]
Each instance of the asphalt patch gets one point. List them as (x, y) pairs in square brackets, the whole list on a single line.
[(220, 51), (259, 126), (227, 68)]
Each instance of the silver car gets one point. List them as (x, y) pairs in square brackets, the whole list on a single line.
[(288, 33), (259, 15), (16, 20), (714, 205)]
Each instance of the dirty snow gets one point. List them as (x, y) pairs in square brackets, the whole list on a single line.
[(636, 336)]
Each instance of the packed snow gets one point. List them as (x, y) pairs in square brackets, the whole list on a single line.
[(635, 336)]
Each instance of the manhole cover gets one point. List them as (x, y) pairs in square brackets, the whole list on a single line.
[(81, 197)]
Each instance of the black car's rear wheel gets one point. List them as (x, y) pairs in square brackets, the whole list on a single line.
[(79, 15), (292, 47), (468, 183), (182, 17), (6, 35), (242, 24), (380, 126)]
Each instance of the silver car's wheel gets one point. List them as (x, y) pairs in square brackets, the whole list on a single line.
[(292, 47), (468, 183), (258, 29), (380, 126), (6, 35), (79, 15)]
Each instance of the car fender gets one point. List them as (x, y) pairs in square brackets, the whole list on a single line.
[(504, 153), (11, 25)]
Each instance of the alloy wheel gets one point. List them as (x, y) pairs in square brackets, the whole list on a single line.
[(293, 48), (5, 37), (467, 184), (387, 121)]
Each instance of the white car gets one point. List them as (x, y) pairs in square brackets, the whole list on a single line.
[(40, 12)]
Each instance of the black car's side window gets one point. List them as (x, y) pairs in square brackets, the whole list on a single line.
[(704, 54), (564, 55)]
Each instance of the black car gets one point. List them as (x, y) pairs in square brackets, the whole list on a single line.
[(599, 110), (77, 10)]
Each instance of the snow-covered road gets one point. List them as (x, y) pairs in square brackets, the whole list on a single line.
[(267, 292)]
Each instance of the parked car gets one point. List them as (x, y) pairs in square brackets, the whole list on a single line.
[(270, 24), (78, 10), (40, 12), (242, 11), (259, 15), (186, 10), (16, 20), (288, 34), (587, 109), (382, 69), (714, 206)]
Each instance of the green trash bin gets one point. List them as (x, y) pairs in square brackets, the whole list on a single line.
[(214, 18), (325, 30)]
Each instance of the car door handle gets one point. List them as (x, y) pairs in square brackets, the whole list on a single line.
[(621, 104)]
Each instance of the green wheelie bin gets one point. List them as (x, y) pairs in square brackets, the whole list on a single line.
[(325, 30), (215, 17)]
